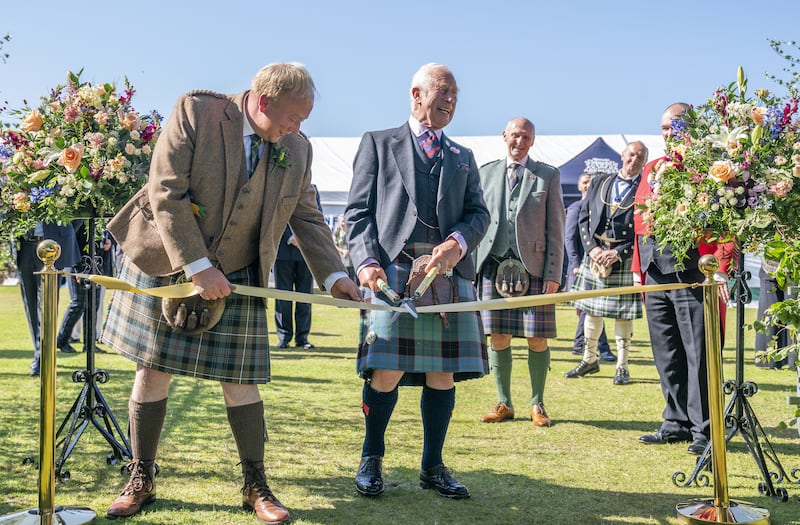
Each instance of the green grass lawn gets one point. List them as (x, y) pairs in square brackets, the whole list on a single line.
[(587, 468)]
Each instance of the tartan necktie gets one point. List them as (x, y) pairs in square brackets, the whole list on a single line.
[(513, 175), (430, 144), (255, 150)]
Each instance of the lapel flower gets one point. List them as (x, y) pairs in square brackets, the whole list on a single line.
[(280, 157)]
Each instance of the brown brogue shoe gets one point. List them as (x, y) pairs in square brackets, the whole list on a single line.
[(539, 416), (140, 490), (258, 497), (499, 413)]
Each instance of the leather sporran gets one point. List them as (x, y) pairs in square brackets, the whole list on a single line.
[(191, 315), (511, 279), (600, 271), (441, 291)]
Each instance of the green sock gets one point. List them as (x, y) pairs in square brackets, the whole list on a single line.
[(538, 365), (501, 361)]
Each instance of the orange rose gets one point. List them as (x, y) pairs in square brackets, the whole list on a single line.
[(71, 157), (722, 171), (757, 114), (32, 121)]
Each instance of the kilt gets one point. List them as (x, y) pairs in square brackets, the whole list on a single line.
[(627, 306), (537, 321), (236, 350), (422, 345)]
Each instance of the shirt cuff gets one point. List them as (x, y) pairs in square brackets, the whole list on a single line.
[(332, 278), (369, 261), (461, 242), (197, 266)]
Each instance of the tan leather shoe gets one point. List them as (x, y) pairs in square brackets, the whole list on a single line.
[(258, 497), (499, 413), (539, 416), (140, 490)]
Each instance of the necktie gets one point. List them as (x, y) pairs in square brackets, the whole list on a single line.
[(255, 149), (430, 144), (513, 175)]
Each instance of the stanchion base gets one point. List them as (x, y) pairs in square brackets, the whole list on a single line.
[(61, 516), (704, 511)]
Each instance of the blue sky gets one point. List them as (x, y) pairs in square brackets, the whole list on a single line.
[(572, 66)]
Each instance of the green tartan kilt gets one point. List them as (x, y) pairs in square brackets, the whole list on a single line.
[(627, 306), (236, 350), (422, 345)]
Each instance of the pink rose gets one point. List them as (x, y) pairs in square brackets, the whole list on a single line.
[(71, 157), (32, 121)]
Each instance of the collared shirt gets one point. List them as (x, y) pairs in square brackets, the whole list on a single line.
[(418, 128)]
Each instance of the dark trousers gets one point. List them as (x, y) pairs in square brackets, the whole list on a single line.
[(677, 337), (30, 286), (293, 276), (78, 295), (770, 293)]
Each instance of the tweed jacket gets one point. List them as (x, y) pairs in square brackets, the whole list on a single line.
[(540, 217), (381, 210), (199, 158)]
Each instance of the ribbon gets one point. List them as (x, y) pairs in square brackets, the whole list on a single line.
[(176, 291)]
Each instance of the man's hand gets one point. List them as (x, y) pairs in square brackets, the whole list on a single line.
[(550, 287), (446, 254), (346, 289), (369, 275), (212, 284)]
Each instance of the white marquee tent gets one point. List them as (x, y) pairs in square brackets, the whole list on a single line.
[(332, 167)]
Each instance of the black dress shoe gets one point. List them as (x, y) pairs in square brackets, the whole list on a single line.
[(369, 480), (67, 349), (583, 369), (663, 438), (306, 345), (35, 370), (608, 355), (440, 479), (698, 446), (283, 345)]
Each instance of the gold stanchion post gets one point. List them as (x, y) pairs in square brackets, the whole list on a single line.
[(47, 513), (720, 509)]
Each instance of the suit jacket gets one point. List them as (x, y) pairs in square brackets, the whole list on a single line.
[(572, 239), (591, 221), (381, 212), (540, 217), (199, 158)]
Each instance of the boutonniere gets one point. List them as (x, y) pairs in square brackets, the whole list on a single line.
[(280, 157)]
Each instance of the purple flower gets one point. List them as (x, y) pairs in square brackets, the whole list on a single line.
[(40, 193)]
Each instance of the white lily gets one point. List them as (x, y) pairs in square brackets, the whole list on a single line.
[(725, 136)]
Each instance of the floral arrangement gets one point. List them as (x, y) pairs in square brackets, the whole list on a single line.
[(280, 157), (84, 151), (729, 173)]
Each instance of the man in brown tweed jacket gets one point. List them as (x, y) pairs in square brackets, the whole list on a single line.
[(228, 174)]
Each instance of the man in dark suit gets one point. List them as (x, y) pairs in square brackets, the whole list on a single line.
[(521, 254), (415, 192), (30, 284), (676, 320), (291, 272), (573, 247)]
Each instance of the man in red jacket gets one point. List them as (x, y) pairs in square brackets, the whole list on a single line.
[(675, 319)]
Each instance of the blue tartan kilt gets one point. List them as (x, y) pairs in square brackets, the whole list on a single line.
[(537, 321), (421, 345), (236, 350), (627, 306)]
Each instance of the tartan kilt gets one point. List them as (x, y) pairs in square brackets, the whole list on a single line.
[(536, 321), (421, 345), (627, 306), (236, 350)]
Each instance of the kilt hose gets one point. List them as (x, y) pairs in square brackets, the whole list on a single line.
[(627, 306), (421, 345), (236, 350), (536, 321)]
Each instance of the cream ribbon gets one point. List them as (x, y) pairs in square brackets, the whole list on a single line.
[(177, 291)]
